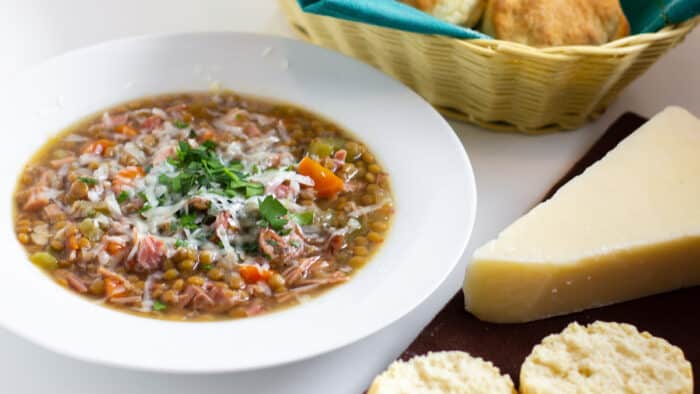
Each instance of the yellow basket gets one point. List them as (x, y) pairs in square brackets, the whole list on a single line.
[(499, 85)]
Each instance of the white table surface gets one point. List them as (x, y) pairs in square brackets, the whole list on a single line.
[(512, 173)]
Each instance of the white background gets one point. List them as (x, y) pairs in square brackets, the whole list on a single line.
[(512, 173)]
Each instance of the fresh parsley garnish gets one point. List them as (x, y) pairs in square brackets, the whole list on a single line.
[(304, 218), (145, 208), (88, 181), (188, 221), (254, 189), (207, 267), (180, 124), (272, 211), (250, 247), (295, 243), (202, 167), (159, 306), (123, 196)]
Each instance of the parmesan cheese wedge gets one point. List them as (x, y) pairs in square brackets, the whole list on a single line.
[(628, 227)]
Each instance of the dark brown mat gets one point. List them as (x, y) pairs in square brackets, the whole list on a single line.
[(674, 316)]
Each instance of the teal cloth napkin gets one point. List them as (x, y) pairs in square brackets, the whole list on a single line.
[(387, 13), (648, 16), (645, 16)]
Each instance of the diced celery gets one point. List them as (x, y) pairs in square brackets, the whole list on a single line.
[(44, 260)]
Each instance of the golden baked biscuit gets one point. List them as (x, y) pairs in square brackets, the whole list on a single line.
[(460, 12), (542, 23), (451, 372), (610, 358)]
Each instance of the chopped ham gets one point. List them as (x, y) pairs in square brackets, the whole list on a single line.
[(201, 300), (296, 272), (282, 191), (76, 283), (58, 163), (340, 155), (222, 220), (151, 123), (279, 248), (252, 130), (163, 154), (53, 212), (37, 199), (150, 255), (186, 297), (336, 243)]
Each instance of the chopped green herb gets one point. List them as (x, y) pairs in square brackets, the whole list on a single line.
[(209, 144), (285, 231), (203, 167), (159, 306), (123, 196), (207, 267), (192, 134), (295, 243), (147, 169), (145, 208), (304, 218), (250, 247), (272, 211), (254, 189), (88, 181), (188, 221), (180, 124)]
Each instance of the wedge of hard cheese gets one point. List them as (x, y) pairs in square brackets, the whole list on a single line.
[(628, 227)]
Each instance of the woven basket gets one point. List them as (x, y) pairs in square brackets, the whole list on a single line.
[(499, 85)]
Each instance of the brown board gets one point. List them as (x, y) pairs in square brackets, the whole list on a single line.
[(674, 316)]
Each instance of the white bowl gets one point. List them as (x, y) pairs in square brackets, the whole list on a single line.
[(431, 175)]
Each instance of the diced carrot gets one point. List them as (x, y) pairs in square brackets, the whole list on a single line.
[(326, 183), (131, 172), (114, 288), (73, 242), (208, 135), (98, 147), (126, 176), (114, 247), (253, 273), (126, 130)]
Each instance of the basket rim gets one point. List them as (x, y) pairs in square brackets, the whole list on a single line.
[(622, 46), (617, 47)]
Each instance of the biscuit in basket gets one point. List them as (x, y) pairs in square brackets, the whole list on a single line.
[(605, 358), (543, 23), (442, 373), (460, 12)]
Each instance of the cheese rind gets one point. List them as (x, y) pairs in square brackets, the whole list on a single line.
[(628, 227)]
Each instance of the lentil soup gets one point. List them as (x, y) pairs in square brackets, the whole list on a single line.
[(202, 206)]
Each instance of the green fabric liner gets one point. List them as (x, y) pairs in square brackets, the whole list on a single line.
[(648, 16), (645, 16)]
